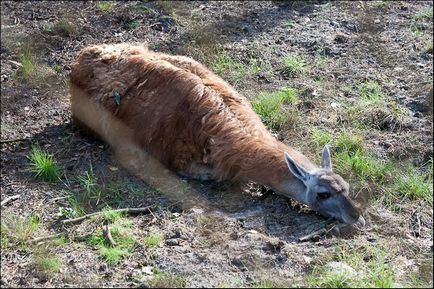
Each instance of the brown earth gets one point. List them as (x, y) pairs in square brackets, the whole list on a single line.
[(257, 238)]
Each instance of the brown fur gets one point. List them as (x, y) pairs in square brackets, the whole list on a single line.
[(184, 115)]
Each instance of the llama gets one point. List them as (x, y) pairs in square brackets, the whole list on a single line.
[(197, 125)]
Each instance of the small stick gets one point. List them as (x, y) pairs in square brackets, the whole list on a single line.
[(126, 210), (107, 234), (12, 140), (44, 238), (8, 199), (313, 234), (59, 198)]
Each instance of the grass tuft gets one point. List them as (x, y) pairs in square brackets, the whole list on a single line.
[(43, 165), (370, 92), (370, 265), (321, 138), (153, 240), (121, 231), (64, 28), (29, 65), (233, 71), (112, 255), (48, 264), (105, 6), (292, 64), (18, 230), (415, 185), (167, 280), (269, 105)]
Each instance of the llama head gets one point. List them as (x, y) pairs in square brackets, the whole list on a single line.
[(326, 191)]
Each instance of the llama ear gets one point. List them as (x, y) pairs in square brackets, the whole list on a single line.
[(326, 160), (295, 169)]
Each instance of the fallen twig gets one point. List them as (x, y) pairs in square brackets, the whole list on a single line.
[(8, 199), (125, 210), (107, 234), (312, 235), (12, 140), (44, 238)]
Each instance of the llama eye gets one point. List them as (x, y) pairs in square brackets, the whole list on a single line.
[(324, 195)]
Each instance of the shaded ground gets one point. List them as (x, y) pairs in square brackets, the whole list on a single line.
[(257, 240)]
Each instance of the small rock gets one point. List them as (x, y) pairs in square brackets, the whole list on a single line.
[(147, 270), (273, 246), (341, 38), (335, 105), (377, 21), (172, 242), (307, 259), (175, 215), (234, 236), (421, 65), (334, 23), (281, 258), (341, 268)]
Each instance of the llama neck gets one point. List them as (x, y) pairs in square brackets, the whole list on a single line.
[(262, 161)]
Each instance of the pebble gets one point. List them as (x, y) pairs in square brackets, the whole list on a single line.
[(341, 268), (147, 270), (172, 242)]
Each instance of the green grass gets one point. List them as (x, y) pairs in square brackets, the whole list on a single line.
[(152, 240), (321, 138), (107, 214), (370, 263), (112, 256), (428, 46), (57, 68), (17, 230), (43, 165), (29, 65), (233, 71), (88, 180), (95, 194), (133, 25), (350, 157), (121, 231), (426, 14), (370, 92), (48, 264), (105, 6), (167, 280), (359, 166), (293, 64), (413, 184), (363, 165), (269, 106), (372, 110)]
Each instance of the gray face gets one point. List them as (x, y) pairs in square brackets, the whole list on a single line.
[(326, 191)]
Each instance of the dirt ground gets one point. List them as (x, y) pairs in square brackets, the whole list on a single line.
[(257, 238)]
